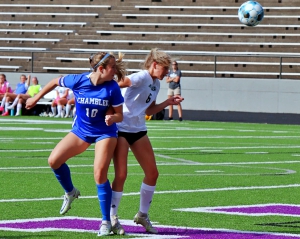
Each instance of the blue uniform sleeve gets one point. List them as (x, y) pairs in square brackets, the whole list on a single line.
[(68, 81), (116, 96)]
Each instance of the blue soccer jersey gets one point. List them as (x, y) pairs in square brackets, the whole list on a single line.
[(92, 103)]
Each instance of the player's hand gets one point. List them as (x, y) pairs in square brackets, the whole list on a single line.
[(175, 100), (109, 120), (30, 103)]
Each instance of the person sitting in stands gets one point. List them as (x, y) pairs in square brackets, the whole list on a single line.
[(68, 107), (4, 86), (62, 96), (21, 98), (21, 88)]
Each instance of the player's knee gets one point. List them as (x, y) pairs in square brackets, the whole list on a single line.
[(52, 162), (121, 177), (152, 175)]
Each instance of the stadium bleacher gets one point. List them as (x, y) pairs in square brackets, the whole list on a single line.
[(195, 33)]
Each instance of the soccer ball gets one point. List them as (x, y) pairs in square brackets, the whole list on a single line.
[(251, 13)]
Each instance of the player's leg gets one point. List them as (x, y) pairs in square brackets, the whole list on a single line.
[(69, 106), (120, 166), (179, 108), (70, 146), (15, 102), (60, 105), (10, 97), (104, 150), (170, 94), (53, 108), (19, 106), (144, 154)]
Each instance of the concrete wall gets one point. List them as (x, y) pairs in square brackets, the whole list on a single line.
[(226, 99), (238, 95)]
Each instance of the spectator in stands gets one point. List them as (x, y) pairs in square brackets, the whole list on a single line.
[(62, 97), (21, 88), (21, 98), (140, 92), (174, 89), (4, 86), (69, 105), (94, 92)]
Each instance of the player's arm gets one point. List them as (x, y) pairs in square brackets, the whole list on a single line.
[(155, 108), (126, 82), (176, 79), (116, 116), (31, 102), (28, 81), (169, 79)]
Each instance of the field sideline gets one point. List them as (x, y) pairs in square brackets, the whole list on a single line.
[(217, 180)]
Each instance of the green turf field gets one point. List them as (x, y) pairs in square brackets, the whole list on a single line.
[(217, 180)]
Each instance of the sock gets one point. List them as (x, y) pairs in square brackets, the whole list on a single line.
[(68, 108), (104, 195), (63, 176), (115, 201), (6, 106), (53, 109), (59, 109), (14, 103), (3, 101), (146, 195), (19, 107)]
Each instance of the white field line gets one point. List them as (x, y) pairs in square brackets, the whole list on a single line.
[(233, 147), (174, 149), (184, 163), (162, 192)]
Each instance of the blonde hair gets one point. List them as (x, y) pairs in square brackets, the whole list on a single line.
[(103, 58), (158, 56)]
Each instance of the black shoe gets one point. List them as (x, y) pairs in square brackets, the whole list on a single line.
[(180, 119), (170, 118)]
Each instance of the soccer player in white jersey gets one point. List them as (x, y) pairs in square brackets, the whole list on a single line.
[(139, 99), (94, 92)]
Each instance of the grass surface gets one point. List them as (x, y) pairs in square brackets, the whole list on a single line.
[(201, 164)]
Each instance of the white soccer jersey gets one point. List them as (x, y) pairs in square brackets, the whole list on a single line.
[(61, 90), (138, 97)]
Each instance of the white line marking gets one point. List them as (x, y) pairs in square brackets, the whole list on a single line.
[(161, 192), (218, 210), (256, 152)]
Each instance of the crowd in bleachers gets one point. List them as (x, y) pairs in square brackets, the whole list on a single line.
[(13, 101), (202, 33)]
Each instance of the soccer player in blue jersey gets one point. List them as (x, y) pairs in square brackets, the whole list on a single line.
[(140, 92), (94, 92)]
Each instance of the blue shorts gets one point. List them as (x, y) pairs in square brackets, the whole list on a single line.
[(94, 139)]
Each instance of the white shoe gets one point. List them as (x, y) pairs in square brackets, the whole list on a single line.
[(10, 107), (68, 199), (143, 219), (44, 114), (116, 227), (67, 116), (57, 116), (51, 114), (105, 229)]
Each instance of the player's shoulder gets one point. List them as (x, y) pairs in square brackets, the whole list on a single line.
[(82, 76)]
